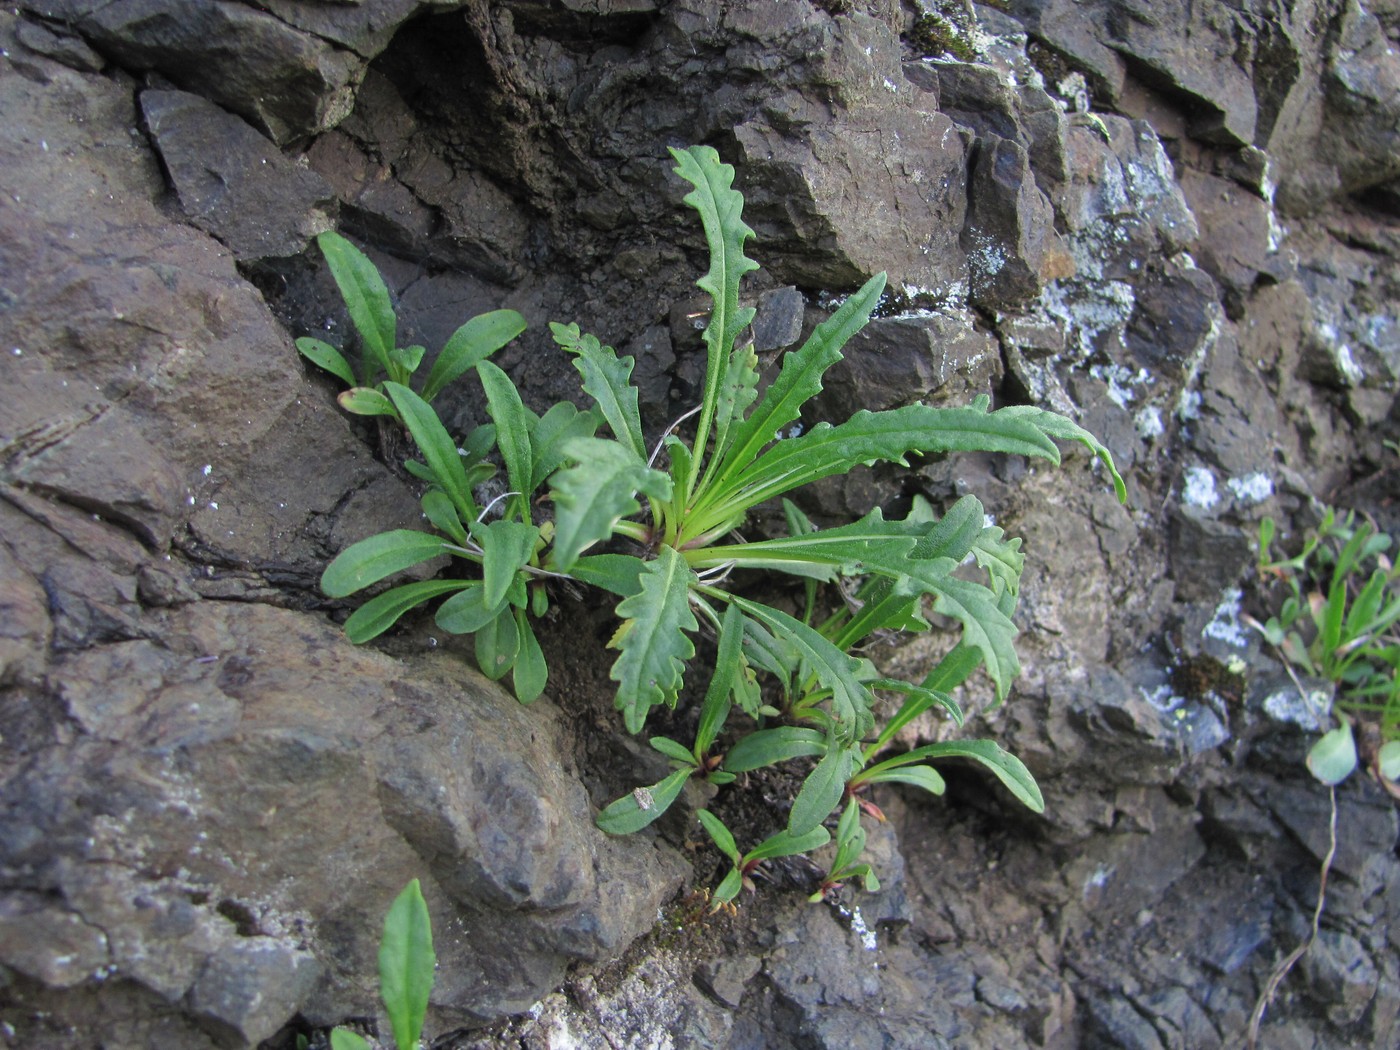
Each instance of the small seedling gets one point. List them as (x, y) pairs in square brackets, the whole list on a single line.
[(406, 964), (1338, 621), (381, 358)]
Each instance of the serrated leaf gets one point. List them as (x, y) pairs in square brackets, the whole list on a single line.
[(468, 612), (729, 663), (1063, 429), (607, 379), (736, 394), (471, 344), (498, 645), (850, 699), (439, 450), (821, 791), (653, 642), (986, 627), (720, 207), (365, 294), (799, 379), (1333, 758), (383, 611), (372, 559), (406, 965), (530, 674), (719, 834), (366, 401), (1001, 558), (597, 491), (323, 355), (551, 436), (514, 422), (506, 548), (870, 437), (767, 747), (636, 810)]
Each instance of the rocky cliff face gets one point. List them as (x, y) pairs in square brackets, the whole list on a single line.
[(1175, 222)]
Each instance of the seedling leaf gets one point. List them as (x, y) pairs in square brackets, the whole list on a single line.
[(406, 963)]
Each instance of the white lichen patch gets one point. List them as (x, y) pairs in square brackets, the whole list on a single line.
[(1225, 625), (1253, 488), (1122, 382), (1198, 488), (1148, 422), (1308, 711)]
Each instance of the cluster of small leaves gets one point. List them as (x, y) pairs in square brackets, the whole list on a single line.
[(382, 360), (406, 972), (1339, 620), (657, 529)]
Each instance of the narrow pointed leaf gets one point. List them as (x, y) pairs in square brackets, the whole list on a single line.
[(323, 355), (1008, 768), (728, 887), (439, 450), (729, 664), (736, 394), (513, 425), (720, 834), (406, 963), (376, 557), (673, 750), (720, 207), (768, 747), (653, 642), (597, 491), (787, 844), (1062, 429), (925, 777), (851, 700), (471, 344), (820, 792), (440, 511), (383, 611), (607, 379), (800, 376), (870, 437), (635, 811), (365, 294)]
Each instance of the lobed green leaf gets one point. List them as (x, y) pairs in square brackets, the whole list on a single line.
[(608, 380), (597, 491), (652, 640)]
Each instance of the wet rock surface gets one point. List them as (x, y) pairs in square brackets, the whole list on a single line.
[(1174, 222)]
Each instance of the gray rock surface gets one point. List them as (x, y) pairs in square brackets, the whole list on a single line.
[(1175, 222)]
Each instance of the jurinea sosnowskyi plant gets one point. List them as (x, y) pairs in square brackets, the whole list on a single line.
[(654, 523)]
